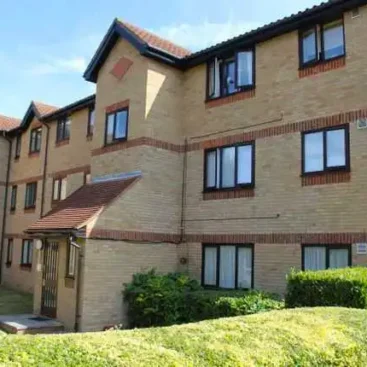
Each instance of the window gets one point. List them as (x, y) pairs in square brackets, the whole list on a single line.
[(71, 265), (325, 150), (228, 266), (321, 257), (36, 138), (63, 129), (230, 75), (59, 189), (30, 195), (18, 146), (229, 167), (9, 252), (116, 126), (27, 253), (13, 199), (91, 118), (322, 42)]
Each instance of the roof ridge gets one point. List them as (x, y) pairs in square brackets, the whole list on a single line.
[(10, 117)]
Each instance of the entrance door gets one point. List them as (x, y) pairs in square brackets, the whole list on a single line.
[(49, 279)]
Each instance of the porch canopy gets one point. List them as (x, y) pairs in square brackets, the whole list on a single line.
[(82, 206)]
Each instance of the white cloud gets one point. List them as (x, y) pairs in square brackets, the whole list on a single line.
[(199, 36), (59, 66)]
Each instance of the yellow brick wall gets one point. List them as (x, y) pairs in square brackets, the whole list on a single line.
[(110, 264)]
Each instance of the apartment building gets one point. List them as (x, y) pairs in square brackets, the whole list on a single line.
[(235, 164)]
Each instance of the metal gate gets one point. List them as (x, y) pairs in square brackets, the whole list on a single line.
[(49, 279)]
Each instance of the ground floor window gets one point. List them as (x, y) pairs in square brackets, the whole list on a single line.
[(228, 266), (9, 252), (27, 253), (321, 257), (71, 265)]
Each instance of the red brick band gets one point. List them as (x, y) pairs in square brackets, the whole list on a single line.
[(321, 68), (291, 128), (263, 238), (117, 106), (233, 194), (26, 180), (326, 178), (230, 99), (121, 68), (62, 143), (70, 171)]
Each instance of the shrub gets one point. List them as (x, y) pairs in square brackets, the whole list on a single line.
[(203, 305), (157, 300), (161, 300), (340, 287)]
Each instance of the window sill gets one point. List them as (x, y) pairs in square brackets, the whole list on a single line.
[(69, 282), (322, 66), (325, 178), (30, 210), (61, 143), (115, 142), (89, 137), (26, 267), (12, 211), (16, 159), (33, 154), (238, 96), (238, 193), (8, 264)]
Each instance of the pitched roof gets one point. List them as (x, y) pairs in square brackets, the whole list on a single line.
[(43, 108), (76, 210), (8, 123), (155, 41)]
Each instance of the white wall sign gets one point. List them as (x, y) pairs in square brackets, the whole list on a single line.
[(361, 248)]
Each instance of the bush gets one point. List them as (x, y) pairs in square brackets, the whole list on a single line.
[(300, 337), (157, 300), (161, 300), (203, 305), (339, 287)]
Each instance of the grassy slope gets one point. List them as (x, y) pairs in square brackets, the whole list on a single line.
[(309, 337), (14, 302)]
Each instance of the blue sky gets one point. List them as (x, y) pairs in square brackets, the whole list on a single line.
[(45, 45)]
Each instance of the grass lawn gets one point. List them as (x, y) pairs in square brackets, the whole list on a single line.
[(12, 302), (299, 337)]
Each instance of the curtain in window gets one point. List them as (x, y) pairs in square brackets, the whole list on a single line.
[(216, 78), (244, 164), (244, 267), (110, 127), (339, 258), (63, 189), (227, 267), (210, 169), (336, 148), (315, 258), (333, 39), (309, 46), (314, 152), (121, 119), (244, 68), (210, 266), (228, 167)]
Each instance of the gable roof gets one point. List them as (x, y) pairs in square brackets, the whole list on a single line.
[(80, 207), (165, 51), (43, 109), (8, 123)]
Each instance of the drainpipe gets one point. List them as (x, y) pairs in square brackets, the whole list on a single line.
[(183, 197), (78, 311), (3, 134), (44, 168)]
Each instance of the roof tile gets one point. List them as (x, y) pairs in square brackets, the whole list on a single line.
[(44, 109), (81, 206), (8, 123)]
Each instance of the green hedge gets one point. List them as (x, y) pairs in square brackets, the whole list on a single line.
[(160, 300), (340, 287)]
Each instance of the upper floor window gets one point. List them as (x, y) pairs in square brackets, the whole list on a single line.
[(27, 253), (228, 266), (230, 75), (71, 264), (322, 42), (13, 199), (9, 252), (59, 189), (229, 167), (36, 138), (321, 257), (63, 129), (30, 195), (116, 126), (325, 150), (18, 146), (91, 118)]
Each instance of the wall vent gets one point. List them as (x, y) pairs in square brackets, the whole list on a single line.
[(362, 124)]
